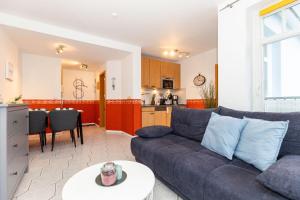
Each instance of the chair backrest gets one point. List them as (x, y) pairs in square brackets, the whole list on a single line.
[(61, 120), (37, 121)]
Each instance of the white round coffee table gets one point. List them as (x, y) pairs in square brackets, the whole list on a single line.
[(137, 186)]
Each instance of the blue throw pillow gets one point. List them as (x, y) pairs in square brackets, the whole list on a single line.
[(153, 131), (222, 134), (260, 142)]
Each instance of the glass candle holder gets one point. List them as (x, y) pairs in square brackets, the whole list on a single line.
[(108, 174)]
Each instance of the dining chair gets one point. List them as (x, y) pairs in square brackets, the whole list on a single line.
[(62, 120), (37, 125)]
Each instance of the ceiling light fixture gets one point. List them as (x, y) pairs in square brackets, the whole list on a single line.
[(60, 49), (84, 66), (176, 53), (166, 53)]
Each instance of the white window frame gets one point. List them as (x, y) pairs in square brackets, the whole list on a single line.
[(258, 43)]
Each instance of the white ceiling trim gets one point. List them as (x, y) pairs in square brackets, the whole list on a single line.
[(31, 25)]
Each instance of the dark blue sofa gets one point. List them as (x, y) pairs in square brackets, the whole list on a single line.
[(194, 172)]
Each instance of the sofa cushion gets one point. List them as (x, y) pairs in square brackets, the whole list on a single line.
[(291, 142), (169, 156), (153, 131), (190, 123), (222, 134), (283, 177), (241, 164), (192, 170), (263, 136), (146, 149), (230, 182)]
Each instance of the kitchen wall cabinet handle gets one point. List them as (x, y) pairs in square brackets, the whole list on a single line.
[(15, 145), (15, 121)]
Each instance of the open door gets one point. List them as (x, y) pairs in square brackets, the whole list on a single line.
[(102, 100)]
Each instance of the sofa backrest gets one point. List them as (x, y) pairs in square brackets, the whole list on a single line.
[(291, 142), (190, 123)]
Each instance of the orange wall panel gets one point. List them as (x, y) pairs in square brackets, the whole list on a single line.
[(90, 107), (195, 104), (123, 115)]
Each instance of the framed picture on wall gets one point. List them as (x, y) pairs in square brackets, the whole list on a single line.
[(9, 71)]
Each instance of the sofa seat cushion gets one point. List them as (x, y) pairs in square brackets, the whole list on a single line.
[(147, 149), (231, 182), (192, 169), (167, 157), (242, 164), (190, 123)]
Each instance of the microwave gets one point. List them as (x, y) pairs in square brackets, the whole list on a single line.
[(167, 83)]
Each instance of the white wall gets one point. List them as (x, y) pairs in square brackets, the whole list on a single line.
[(9, 53), (88, 78), (127, 74), (113, 71), (234, 56), (203, 63), (41, 77), (127, 77), (135, 51)]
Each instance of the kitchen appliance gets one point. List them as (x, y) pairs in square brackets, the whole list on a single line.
[(175, 99), (167, 83)]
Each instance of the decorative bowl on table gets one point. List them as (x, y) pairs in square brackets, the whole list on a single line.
[(111, 175)]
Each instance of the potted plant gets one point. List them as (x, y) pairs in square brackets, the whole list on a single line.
[(209, 96)]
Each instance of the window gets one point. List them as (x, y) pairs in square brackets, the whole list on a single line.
[(281, 48)]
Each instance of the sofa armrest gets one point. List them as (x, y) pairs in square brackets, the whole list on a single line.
[(283, 176), (154, 131)]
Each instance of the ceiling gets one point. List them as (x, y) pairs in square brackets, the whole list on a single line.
[(75, 53), (155, 25)]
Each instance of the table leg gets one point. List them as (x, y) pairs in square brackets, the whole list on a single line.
[(80, 128)]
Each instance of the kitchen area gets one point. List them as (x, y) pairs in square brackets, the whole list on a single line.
[(161, 90)]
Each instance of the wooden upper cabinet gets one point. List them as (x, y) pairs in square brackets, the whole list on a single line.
[(177, 79), (155, 73), (166, 70), (154, 70), (145, 72)]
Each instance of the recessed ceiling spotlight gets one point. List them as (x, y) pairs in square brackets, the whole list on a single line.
[(60, 49), (114, 14)]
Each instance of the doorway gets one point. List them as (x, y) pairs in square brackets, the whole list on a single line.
[(102, 100)]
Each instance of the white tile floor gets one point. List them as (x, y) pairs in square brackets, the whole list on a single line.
[(49, 171)]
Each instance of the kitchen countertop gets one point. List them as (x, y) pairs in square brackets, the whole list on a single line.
[(12, 105), (149, 105)]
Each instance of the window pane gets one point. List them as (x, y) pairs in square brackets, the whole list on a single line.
[(292, 16), (282, 68), (272, 24)]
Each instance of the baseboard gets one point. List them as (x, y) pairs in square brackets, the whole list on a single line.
[(119, 132), (89, 124)]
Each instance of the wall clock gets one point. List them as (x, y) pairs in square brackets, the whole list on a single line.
[(199, 80)]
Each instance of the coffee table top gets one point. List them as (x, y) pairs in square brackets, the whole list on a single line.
[(138, 185)]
